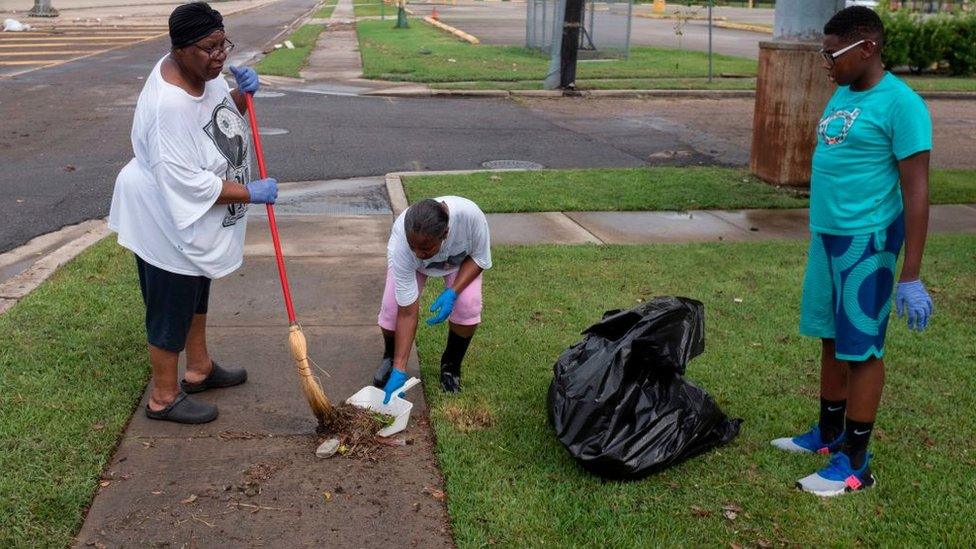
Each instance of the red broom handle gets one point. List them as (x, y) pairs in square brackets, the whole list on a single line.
[(259, 153)]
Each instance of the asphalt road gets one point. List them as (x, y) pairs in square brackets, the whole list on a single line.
[(64, 134)]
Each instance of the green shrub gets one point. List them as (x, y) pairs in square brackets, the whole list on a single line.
[(930, 42), (960, 51), (899, 35), (919, 41)]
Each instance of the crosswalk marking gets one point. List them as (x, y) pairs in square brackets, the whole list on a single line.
[(41, 48), (43, 53), (123, 38)]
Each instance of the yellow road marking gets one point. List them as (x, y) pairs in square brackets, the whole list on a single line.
[(16, 63), (41, 53), (127, 38), (89, 31), (52, 45), (92, 54)]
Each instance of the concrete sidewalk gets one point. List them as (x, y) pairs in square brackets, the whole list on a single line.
[(335, 66), (692, 226), (251, 477), (663, 226)]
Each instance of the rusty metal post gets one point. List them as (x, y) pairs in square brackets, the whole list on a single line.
[(791, 91)]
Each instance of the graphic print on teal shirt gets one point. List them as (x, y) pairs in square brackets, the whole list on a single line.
[(854, 186)]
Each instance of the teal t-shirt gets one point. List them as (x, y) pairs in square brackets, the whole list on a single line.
[(854, 188)]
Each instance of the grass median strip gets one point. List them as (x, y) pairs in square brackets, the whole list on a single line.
[(510, 483), (375, 9), (72, 367), (288, 62), (425, 54), (642, 189)]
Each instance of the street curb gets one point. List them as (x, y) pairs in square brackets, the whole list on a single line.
[(398, 197), (21, 285), (742, 26), (556, 94), (675, 16), (471, 39), (963, 96), (622, 94)]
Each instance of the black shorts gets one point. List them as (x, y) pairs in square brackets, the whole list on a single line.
[(171, 301)]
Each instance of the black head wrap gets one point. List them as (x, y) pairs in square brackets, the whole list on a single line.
[(191, 22)]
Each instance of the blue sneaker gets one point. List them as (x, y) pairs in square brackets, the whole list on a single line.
[(838, 477), (809, 442)]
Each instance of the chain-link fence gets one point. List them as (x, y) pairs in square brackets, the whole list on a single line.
[(604, 30)]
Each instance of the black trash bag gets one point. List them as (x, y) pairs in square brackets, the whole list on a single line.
[(618, 400)]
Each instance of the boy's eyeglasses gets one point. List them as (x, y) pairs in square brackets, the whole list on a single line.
[(831, 58), (226, 47)]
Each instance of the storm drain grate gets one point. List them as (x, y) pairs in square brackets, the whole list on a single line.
[(512, 165)]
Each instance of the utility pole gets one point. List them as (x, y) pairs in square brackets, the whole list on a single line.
[(42, 8), (570, 44), (791, 91), (710, 4)]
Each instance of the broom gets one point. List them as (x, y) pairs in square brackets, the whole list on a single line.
[(296, 339)]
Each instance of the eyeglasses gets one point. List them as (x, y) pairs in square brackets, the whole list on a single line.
[(831, 58), (226, 47)]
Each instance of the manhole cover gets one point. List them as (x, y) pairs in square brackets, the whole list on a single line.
[(269, 94), (272, 131), (512, 165)]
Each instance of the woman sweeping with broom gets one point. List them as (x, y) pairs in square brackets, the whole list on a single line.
[(179, 205)]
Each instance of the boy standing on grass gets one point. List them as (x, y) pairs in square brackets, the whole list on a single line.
[(869, 195)]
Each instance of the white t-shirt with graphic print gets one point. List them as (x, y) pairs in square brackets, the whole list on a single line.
[(467, 235), (164, 205)]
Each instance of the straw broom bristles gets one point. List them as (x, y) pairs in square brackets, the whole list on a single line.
[(317, 400)]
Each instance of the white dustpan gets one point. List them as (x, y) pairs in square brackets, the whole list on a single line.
[(371, 398)]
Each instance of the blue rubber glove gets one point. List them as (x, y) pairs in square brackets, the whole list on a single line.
[(442, 306), (913, 301), (397, 379), (263, 191), (247, 79)]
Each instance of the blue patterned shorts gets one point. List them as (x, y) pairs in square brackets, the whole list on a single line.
[(847, 289)]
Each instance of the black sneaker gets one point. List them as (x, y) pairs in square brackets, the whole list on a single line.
[(450, 378), (382, 374)]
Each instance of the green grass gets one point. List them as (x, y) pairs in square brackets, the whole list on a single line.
[(423, 54), (72, 368), (375, 9), (941, 83), (390, 54), (510, 483), (286, 62), (635, 189)]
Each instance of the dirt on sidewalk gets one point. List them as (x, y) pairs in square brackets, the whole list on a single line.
[(251, 478)]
